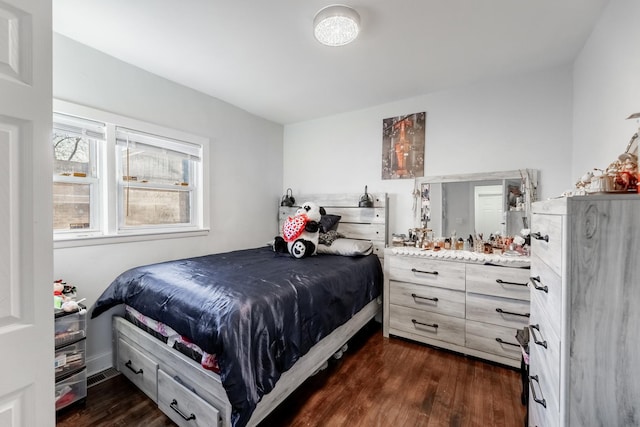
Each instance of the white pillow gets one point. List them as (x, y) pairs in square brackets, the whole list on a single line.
[(347, 247)]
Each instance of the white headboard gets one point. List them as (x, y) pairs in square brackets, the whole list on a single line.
[(356, 222)]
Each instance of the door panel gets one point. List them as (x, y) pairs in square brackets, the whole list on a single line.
[(26, 306)]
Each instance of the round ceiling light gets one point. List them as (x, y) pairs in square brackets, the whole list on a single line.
[(336, 25)]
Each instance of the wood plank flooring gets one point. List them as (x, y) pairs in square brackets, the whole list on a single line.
[(378, 382)]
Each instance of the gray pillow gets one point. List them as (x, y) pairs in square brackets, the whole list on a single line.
[(329, 222)]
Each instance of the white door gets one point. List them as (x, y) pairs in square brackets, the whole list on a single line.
[(26, 254), (488, 209)]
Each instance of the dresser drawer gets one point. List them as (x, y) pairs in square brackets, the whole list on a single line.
[(543, 338), (546, 286), (430, 272), (492, 339), (428, 298), (539, 416), (506, 282), (506, 312), (544, 385), (548, 246), (141, 370), (183, 406), (427, 324)]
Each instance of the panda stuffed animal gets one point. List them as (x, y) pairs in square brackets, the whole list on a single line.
[(300, 232)]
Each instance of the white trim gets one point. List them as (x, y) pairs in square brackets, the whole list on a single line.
[(95, 240)]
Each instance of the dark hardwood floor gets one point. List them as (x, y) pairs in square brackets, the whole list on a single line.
[(378, 382)]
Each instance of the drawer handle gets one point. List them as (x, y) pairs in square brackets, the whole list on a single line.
[(501, 341), (430, 325), (501, 311), (174, 406), (536, 340), (544, 288), (502, 282), (542, 401), (128, 365), (419, 297), (539, 236), (425, 272)]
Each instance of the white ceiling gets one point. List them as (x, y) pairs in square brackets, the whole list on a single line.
[(261, 55)]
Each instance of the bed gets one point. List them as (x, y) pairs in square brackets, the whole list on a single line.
[(270, 321)]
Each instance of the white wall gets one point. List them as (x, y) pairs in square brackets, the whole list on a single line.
[(515, 123), (246, 171), (607, 88)]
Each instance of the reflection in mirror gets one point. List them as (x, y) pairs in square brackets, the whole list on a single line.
[(495, 203)]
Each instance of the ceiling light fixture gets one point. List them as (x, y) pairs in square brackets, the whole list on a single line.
[(336, 25)]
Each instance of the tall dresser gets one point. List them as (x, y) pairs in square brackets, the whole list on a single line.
[(584, 365)]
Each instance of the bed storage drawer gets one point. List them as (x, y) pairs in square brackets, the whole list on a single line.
[(183, 406), (141, 370)]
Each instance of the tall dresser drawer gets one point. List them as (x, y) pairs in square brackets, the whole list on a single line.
[(546, 287), (428, 298), (183, 406), (426, 324), (546, 240), (539, 416), (506, 282), (492, 339), (506, 312), (546, 342), (430, 272), (544, 385), (141, 370)]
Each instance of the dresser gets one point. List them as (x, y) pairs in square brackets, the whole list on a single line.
[(457, 301), (584, 364)]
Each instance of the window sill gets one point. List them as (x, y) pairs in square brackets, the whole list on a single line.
[(72, 242)]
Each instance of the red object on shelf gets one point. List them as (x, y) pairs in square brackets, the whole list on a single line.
[(65, 399)]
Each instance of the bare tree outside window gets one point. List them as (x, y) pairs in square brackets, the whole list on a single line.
[(72, 200)]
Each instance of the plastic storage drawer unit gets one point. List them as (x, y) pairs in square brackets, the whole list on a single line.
[(70, 389), (69, 327), (69, 358)]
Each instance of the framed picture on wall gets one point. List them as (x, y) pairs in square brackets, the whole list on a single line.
[(403, 140)]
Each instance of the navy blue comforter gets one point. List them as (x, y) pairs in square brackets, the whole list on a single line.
[(257, 311)]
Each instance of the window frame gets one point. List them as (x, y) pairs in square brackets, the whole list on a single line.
[(107, 183), (95, 188)]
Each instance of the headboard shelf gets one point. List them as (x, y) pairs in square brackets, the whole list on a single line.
[(356, 222)]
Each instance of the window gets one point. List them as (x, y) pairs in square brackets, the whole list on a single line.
[(76, 201), (115, 177), (156, 180)]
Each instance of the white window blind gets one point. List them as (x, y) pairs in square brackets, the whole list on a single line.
[(80, 127), (129, 138)]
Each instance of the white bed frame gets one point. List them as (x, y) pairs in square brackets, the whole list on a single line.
[(192, 396)]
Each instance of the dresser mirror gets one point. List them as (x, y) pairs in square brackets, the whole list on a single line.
[(476, 204)]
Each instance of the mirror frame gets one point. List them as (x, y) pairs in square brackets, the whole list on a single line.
[(529, 178)]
